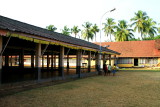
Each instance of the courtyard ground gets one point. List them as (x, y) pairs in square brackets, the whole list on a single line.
[(126, 89)]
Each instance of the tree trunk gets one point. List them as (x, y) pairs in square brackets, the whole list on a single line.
[(141, 36), (110, 38)]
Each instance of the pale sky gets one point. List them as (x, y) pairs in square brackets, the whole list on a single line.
[(75, 12)]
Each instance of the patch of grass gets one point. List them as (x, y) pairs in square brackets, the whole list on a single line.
[(126, 89), (139, 69)]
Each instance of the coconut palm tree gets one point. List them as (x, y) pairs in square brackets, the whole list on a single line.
[(95, 30), (123, 32), (150, 28), (109, 27), (75, 30), (51, 28), (66, 31), (139, 22), (87, 32)]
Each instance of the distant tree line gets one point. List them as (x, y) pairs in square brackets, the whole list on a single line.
[(121, 31)]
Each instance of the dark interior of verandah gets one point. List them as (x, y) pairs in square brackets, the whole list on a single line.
[(17, 51)]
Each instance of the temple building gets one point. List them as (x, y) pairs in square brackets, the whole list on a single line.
[(31, 53), (136, 53)]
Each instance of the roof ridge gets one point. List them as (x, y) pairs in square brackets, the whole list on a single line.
[(128, 41)]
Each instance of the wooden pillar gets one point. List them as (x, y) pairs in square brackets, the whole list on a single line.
[(16, 60), (100, 59), (21, 72), (110, 59), (32, 60), (38, 61), (11, 60), (1, 60), (104, 59), (42, 61), (115, 60), (78, 63), (21, 59), (47, 61), (6, 60), (68, 61), (52, 61), (98, 63), (67, 64), (55, 61), (89, 61), (61, 62)]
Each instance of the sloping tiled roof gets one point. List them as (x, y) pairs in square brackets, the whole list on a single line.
[(148, 48), (14, 25)]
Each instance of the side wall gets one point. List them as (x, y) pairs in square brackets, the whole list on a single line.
[(139, 64)]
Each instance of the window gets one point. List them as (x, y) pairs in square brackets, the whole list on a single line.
[(142, 61), (148, 60), (125, 61)]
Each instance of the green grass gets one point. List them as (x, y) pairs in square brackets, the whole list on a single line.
[(139, 69), (126, 89)]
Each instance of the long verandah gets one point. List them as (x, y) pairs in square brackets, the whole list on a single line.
[(24, 60)]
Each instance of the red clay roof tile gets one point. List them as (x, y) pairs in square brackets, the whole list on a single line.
[(150, 48)]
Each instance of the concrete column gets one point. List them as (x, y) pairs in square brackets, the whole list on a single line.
[(38, 60), (89, 61), (78, 63), (1, 59), (61, 62)]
